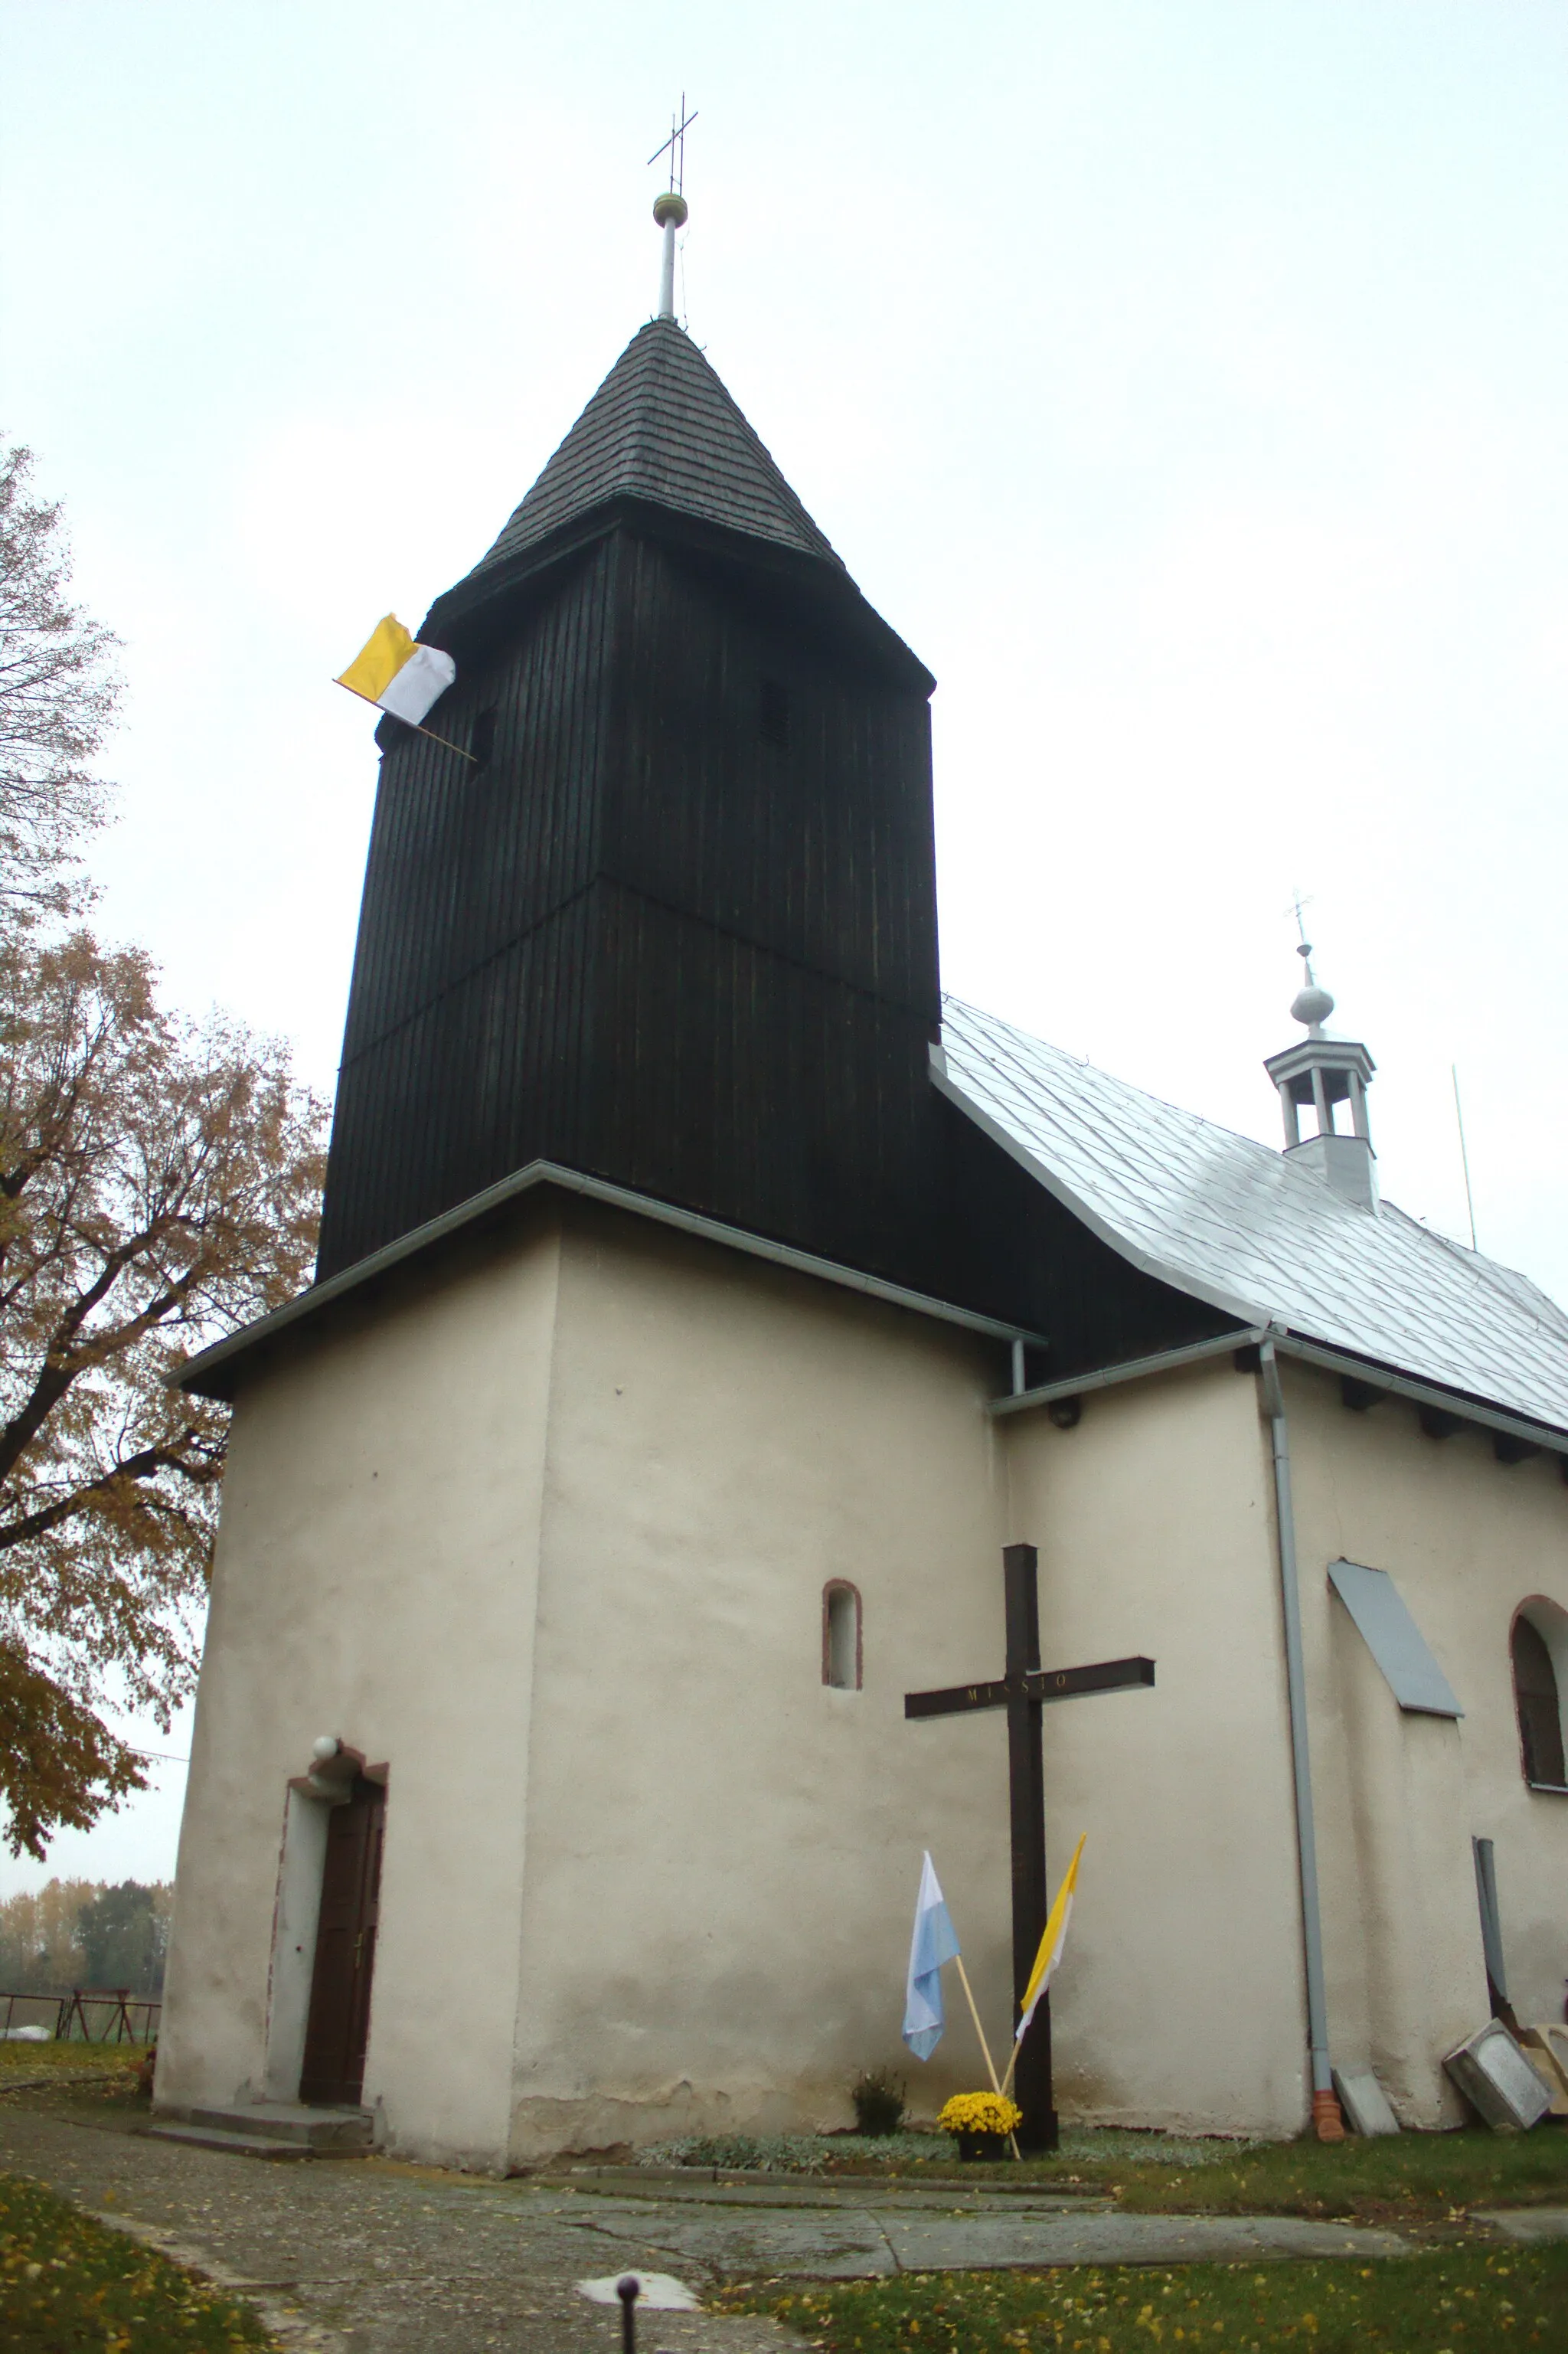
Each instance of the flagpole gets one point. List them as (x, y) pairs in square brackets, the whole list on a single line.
[(439, 739), (445, 743), (1038, 1991), (985, 2047), (1012, 2062)]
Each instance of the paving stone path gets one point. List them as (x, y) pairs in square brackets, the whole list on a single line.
[(362, 2256)]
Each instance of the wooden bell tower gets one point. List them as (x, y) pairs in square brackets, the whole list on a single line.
[(674, 925)]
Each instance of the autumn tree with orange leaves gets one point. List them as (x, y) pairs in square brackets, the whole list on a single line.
[(159, 1186)]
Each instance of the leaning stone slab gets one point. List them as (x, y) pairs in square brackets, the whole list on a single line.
[(1548, 2048), (1364, 2102)]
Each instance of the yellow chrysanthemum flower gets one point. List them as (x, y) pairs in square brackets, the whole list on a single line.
[(981, 2112)]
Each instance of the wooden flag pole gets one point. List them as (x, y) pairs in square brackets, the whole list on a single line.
[(974, 2014), (438, 739), (985, 2047), (445, 742)]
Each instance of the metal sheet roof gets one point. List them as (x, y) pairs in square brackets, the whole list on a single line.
[(1233, 1222)]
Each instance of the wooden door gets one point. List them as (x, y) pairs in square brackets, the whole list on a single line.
[(339, 2023)]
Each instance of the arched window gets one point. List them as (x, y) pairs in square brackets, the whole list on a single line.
[(840, 1636), (1536, 1692)]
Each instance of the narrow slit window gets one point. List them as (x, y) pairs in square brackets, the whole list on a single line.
[(1540, 1705), (481, 737), (773, 712), (842, 1653)]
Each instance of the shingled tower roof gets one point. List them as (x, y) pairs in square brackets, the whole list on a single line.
[(661, 427)]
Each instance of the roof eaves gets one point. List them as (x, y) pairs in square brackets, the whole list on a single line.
[(1343, 1361), (200, 1372), (456, 609), (1551, 1437)]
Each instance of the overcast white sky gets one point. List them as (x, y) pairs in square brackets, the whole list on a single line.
[(1183, 378)]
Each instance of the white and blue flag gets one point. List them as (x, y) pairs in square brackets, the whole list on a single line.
[(933, 1944)]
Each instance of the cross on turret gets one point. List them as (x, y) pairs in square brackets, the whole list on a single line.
[(675, 146)]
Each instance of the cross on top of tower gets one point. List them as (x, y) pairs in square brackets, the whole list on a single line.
[(675, 146)]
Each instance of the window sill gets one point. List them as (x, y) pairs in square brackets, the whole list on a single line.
[(1551, 1789)]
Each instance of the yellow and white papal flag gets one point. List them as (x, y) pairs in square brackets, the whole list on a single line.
[(395, 672), (1051, 1943)]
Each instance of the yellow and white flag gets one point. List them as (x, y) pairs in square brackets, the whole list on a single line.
[(1051, 1943), (395, 672)]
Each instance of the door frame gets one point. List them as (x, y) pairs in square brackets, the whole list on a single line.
[(296, 1909)]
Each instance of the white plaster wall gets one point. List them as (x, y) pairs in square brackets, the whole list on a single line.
[(1181, 2000), (1467, 1540), (376, 1578), (723, 1853)]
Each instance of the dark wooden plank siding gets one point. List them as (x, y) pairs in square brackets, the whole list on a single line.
[(1003, 1244), (751, 1088), (819, 847), (463, 860), (470, 970), (680, 931), (645, 940)]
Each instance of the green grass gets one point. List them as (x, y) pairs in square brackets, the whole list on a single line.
[(1447, 2302), (40, 2059), (34, 2074), (68, 2285), (1406, 2178)]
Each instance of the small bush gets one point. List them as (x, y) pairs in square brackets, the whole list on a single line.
[(739, 2153), (878, 2096)]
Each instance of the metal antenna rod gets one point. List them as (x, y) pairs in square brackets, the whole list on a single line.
[(1464, 1156)]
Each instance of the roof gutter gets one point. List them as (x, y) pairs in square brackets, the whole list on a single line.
[(1455, 1402), (199, 1372), (1306, 1353), (1135, 1369)]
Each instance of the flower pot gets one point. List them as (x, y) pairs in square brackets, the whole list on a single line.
[(980, 2147)]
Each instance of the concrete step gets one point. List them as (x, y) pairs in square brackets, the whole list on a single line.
[(239, 2144), (335, 2133)]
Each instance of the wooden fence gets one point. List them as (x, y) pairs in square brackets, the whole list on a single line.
[(86, 2015)]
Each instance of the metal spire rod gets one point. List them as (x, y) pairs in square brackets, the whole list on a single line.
[(670, 209)]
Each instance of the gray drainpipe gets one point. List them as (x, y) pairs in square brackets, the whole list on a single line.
[(1325, 2107)]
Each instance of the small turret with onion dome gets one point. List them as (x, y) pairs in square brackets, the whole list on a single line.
[(1314, 1076)]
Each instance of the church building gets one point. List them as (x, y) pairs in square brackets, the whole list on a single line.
[(705, 1303)]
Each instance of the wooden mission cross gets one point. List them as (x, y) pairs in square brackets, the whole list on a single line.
[(1023, 1691)]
